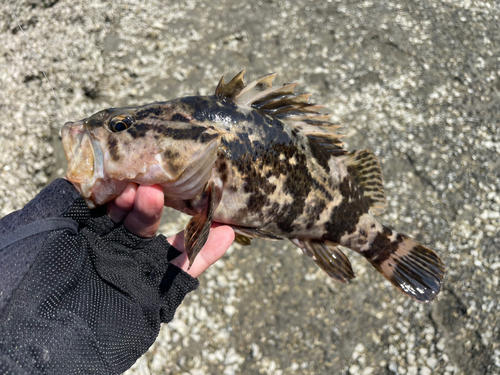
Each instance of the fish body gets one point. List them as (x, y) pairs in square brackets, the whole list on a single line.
[(261, 159)]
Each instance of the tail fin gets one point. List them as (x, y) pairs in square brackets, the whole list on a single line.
[(414, 269)]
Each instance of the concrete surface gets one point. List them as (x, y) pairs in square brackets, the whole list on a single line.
[(417, 82)]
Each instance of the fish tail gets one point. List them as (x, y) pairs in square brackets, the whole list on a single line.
[(414, 269)]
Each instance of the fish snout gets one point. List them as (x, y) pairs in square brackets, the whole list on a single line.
[(71, 135), (79, 151)]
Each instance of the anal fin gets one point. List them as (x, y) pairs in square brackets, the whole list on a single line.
[(198, 228), (328, 257)]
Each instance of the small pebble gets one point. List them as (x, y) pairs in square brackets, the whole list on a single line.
[(441, 344), (431, 362), (410, 358), (354, 370), (230, 310)]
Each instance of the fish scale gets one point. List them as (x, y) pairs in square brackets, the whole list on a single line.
[(261, 159)]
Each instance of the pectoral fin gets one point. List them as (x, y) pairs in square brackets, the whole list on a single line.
[(197, 230)]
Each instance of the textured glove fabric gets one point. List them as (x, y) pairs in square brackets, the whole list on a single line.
[(84, 301)]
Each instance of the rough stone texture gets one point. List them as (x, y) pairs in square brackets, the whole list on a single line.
[(417, 82)]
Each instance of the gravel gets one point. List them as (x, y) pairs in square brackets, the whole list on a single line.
[(416, 82)]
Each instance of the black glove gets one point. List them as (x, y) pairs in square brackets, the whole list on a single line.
[(78, 293)]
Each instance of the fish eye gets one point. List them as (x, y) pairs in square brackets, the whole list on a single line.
[(120, 123)]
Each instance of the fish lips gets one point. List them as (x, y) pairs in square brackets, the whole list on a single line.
[(85, 159)]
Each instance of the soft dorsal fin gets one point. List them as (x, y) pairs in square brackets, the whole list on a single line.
[(363, 166), (283, 103)]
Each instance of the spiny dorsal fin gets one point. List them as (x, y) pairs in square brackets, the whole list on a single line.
[(234, 86), (283, 103), (363, 166)]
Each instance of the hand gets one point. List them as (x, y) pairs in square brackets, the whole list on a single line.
[(140, 209)]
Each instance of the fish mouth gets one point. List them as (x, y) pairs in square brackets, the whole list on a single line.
[(85, 160)]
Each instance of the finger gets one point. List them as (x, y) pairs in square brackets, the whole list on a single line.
[(222, 238), (177, 241), (144, 219), (218, 242), (119, 208)]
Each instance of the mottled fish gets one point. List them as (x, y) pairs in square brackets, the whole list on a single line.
[(260, 158)]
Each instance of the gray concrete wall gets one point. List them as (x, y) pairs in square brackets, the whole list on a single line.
[(417, 82)]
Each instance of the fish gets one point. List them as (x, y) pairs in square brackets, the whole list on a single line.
[(262, 159)]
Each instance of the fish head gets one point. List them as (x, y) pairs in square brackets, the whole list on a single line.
[(151, 144)]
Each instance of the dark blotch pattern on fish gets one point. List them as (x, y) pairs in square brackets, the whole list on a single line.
[(171, 154), (113, 148), (221, 166), (198, 105), (191, 132), (207, 137), (254, 183), (320, 155), (138, 131), (314, 212), (154, 111), (382, 247), (345, 216), (298, 184), (171, 159), (211, 109), (179, 117)]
